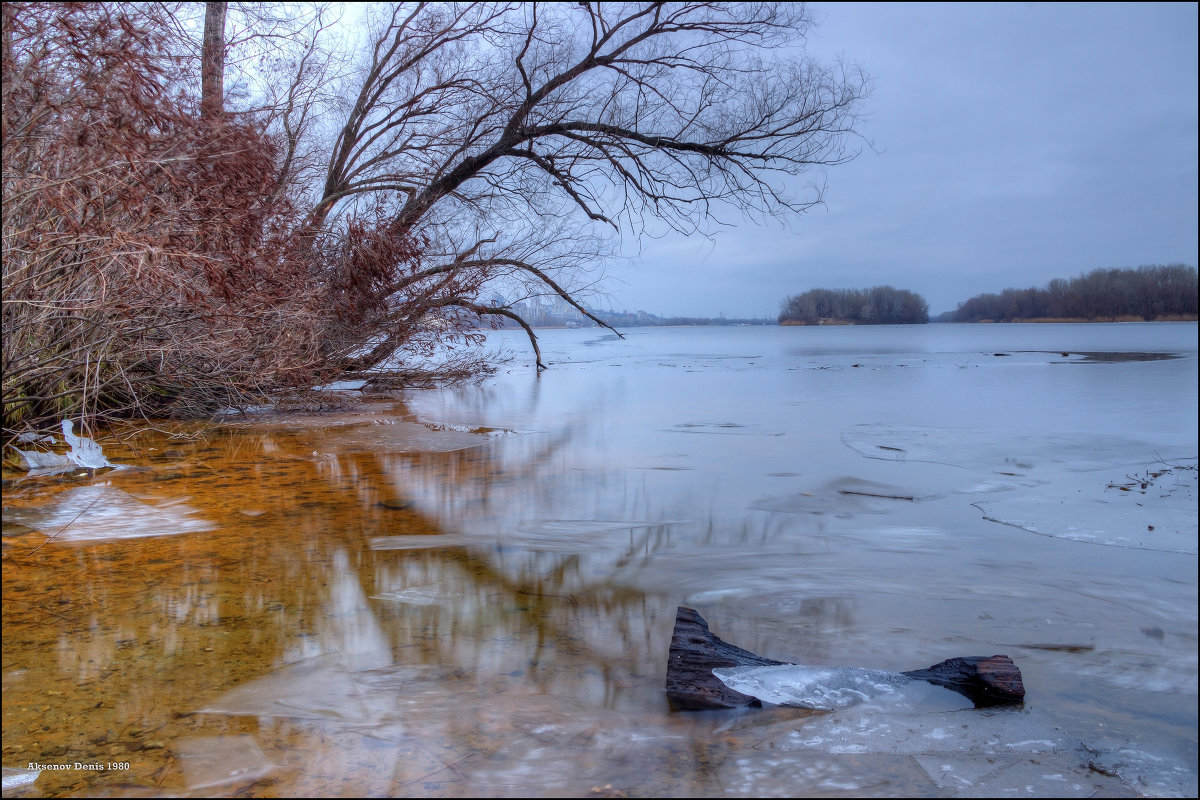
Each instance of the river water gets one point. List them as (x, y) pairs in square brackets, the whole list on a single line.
[(471, 591)]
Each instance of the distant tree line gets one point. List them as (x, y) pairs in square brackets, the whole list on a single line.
[(1148, 293), (637, 319), (880, 305)]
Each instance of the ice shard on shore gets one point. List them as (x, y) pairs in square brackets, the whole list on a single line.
[(826, 688), (84, 452)]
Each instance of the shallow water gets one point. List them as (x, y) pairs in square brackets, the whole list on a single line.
[(471, 592)]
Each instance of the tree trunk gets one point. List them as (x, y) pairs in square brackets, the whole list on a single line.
[(212, 62)]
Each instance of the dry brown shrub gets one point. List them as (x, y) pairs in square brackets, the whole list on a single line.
[(151, 260)]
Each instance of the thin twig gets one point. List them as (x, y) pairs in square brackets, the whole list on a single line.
[(64, 527)]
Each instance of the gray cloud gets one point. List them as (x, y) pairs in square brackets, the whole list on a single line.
[(1013, 144)]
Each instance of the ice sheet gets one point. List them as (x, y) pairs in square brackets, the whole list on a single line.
[(99, 512), (1122, 511), (513, 740), (831, 688), (812, 687), (393, 436), (970, 731), (421, 541), (16, 779), (209, 761), (997, 451), (1004, 752), (1082, 487), (570, 535), (416, 595), (582, 535), (846, 497), (324, 689), (1151, 774), (1007, 776), (1099, 522)]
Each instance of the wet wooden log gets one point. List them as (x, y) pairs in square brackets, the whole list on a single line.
[(986, 680), (696, 651)]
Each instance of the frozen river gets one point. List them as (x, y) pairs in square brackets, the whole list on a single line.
[(470, 592)]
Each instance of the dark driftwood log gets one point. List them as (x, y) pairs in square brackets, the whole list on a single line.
[(695, 652), (986, 680)]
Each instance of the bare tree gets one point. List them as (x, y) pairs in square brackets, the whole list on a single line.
[(479, 128), (180, 235), (274, 62)]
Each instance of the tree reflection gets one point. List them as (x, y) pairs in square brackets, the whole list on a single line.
[(544, 593)]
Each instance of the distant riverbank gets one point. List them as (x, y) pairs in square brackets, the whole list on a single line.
[(1121, 318), (1124, 318)]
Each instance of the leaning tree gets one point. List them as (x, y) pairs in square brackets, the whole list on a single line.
[(502, 140), (206, 203)]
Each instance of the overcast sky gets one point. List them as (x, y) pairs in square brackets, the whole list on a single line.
[(1014, 144)]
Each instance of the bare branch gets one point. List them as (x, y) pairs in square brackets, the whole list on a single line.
[(500, 311)]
